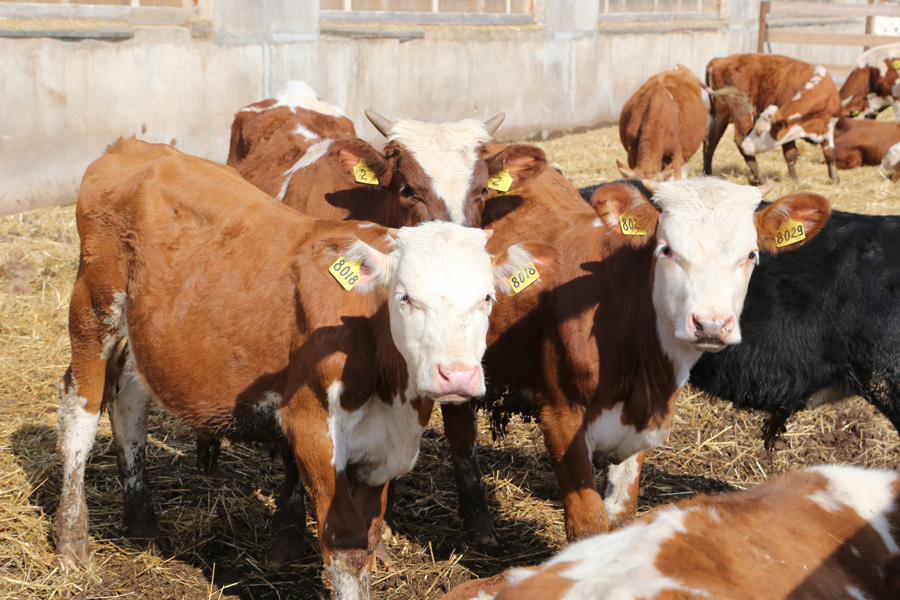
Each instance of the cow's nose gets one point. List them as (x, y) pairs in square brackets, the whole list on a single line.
[(712, 326), (460, 380)]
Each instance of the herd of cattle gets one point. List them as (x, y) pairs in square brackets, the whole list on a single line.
[(378, 283)]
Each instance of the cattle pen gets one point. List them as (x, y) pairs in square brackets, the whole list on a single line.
[(218, 524)]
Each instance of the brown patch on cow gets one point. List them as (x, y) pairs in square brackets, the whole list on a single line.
[(811, 210), (859, 142)]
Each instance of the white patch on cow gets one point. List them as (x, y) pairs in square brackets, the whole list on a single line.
[(891, 160), (870, 492), (306, 133), (115, 317), (299, 94), (340, 425), (620, 480), (797, 96), (312, 154), (855, 592), (349, 584), (128, 416), (704, 97), (708, 226), (847, 100), (759, 139), (598, 222), (366, 225), (794, 117), (76, 432), (254, 108), (819, 73), (609, 435), (447, 154), (878, 58)]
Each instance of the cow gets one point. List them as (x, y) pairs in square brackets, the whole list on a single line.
[(823, 532), (242, 317), (772, 101), (872, 85), (859, 142), (643, 290), (821, 323), (663, 124), (304, 152)]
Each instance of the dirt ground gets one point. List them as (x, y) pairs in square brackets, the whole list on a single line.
[(218, 524)]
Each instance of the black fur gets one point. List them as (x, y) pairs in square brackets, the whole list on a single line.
[(588, 191)]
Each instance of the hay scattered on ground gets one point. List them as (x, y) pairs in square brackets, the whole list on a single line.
[(217, 524)]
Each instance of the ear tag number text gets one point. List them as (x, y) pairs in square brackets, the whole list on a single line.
[(629, 225), (896, 64), (501, 181), (522, 278), (363, 174), (346, 272), (789, 233)]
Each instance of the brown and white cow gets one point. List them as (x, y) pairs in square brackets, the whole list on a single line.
[(663, 124), (772, 101), (825, 532), (236, 324), (604, 347), (859, 142), (872, 85), (304, 152)]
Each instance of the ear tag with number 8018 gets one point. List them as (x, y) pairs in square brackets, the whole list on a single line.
[(629, 225), (363, 174), (522, 278), (501, 181), (789, 233), (346, 272)]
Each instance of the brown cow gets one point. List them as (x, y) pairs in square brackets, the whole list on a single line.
[(865, 142), (825, 532), (643, 290), (663, 124), (872, 85), (772, 101), (235, 324)]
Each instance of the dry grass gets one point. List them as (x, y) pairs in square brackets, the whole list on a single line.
[(217, 524)]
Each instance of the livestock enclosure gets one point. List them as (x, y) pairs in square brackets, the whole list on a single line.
[(217, 523)]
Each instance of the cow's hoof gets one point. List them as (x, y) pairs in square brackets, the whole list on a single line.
[(489, 539), (382, 554), (286, 549)]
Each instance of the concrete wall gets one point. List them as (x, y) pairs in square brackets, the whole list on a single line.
[(65, 101)]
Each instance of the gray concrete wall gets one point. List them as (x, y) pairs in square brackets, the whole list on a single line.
[(65, 101)]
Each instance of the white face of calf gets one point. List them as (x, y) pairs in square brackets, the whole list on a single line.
[(441, 288), (706, 250)]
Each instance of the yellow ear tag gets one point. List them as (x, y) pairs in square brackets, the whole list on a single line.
[(896, 64), (501, 181), (522, 278), (346, 272), (789, 233), (364, 174), (629, 225)]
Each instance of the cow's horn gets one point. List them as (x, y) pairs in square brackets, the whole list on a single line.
[(650, 185), (382, 124), (766, 188), (494, 122)]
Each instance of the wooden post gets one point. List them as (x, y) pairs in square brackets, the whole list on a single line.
[(869, 23), (763, 10)]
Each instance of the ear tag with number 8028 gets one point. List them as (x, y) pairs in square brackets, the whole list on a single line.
[(522, 278), (346, 272), (789, 233), (501, 181), (629, 225), (363, 174)]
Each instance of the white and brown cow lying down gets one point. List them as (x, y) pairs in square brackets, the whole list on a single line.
[(826, 532), (663, 124), (772, 101), (304, 152), (236, 323), (872, 85), (859, 142), (642, 291)]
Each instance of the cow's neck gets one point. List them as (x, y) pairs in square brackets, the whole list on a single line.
[(393, 371)]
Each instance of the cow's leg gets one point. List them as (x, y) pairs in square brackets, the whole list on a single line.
[(790, 157), (460, 428), (128, 411), (209, 446), (371, 502), (288, 524), (716, 126), (564, 436), (756, 175), (94, 318), (620, 494), (831, 160)]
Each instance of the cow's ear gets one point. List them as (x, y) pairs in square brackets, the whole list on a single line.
[(791, 221), (357, 265), (361, 163), (528, 262), (521, 162), (625, 213)]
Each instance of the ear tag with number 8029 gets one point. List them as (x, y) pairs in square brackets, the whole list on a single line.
[(501, 181), (522, 278), (629, 225), (789, 233), (346, 272), (363, 174)]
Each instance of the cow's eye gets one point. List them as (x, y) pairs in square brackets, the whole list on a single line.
[(665, 251), (489, 298), (407, 192), (753, 256)]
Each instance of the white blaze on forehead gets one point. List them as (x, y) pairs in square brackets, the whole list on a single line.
[(877, 57), (447, 154), (299, 94), (870, 492)]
